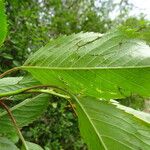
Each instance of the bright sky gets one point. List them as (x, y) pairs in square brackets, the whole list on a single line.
[(141, 6)]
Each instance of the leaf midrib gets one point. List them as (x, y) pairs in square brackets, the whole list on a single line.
[(88, 117), (84, 68)]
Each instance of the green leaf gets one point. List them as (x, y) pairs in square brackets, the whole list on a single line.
[(24, 113), (10, 85), (7, 56), (109, 66), (32, 146), (110, 126), (3, 23), (6, 144)]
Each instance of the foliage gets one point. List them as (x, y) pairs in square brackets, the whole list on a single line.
[(71, 60), (138, 27), (112, 128), (3, 23), (7, 144), (56, 129), (32, 146), (27, 32), (33, 108), (65, 65), (134, 101), (111, 63)]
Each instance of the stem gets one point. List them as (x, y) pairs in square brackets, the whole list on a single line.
[(9, 71), (56, 94), (30, 90), (15, 124), (48, 91), (59, 88), (23, 90), (5, 99), (37, 91)]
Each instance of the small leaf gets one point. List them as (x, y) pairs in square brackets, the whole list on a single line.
[(6, 144), (16, 63), (7, 56), (32, 146), (12, 84)]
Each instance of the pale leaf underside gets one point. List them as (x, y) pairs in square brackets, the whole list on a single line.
[(6, 144), (105, 126), (108, 66), (13, 84)]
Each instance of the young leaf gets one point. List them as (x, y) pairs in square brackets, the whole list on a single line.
[(32, 146), (108, 66), (3, 22), (110, 126), (24, 113), (6, 144), (12, 84)]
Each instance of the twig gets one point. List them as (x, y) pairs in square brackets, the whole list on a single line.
[(9, 71)]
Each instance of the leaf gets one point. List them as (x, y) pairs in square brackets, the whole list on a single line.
[(32, 146), (6, 144), (108, 66), (7, 56), (24, 113), (3, 23), (106, 125), (12, 84)]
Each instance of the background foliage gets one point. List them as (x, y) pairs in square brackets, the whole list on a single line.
[(32, 23)]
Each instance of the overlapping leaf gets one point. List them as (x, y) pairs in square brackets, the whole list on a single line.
[(32, 146), (24, 113), (10, 85), (6, 144), (108, 66), (109, 126)]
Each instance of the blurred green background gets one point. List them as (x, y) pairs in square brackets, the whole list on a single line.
[(32, 23)]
